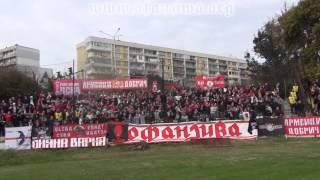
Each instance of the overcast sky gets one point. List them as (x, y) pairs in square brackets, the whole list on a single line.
[(221, 27)]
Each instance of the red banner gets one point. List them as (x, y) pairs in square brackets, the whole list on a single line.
[(210, 81), (302, 126), (65, 87), (156, 133), (114, 84), (83, 130)]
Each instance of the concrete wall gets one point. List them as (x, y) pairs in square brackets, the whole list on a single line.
[(27, 56)]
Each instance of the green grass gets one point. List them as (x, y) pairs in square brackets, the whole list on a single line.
[(264, 159)]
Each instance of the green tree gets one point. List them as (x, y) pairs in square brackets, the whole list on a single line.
[(15, 83), (289, 41), (289, 45), (269, 46), (301, 31)]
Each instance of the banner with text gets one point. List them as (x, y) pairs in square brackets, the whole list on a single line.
[(114, 84), (302, 126), (80, 130), (183, 132), (85, 135), (210, 81), (65, 87), (61, 143)]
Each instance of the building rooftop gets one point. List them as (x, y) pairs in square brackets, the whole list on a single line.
[(159, 48), (19, 46)]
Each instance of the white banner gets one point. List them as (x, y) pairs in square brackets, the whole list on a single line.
[(68, 143), (182, 132), (18, 137)]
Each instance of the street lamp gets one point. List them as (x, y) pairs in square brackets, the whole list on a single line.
[(114, 47)]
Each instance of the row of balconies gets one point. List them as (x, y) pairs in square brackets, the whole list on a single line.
[(190, 65), (100, 60), (8, 62), (105, 69), (6, 55), (165, 55), (100, 48), (98, 70), (135, 51), (152, 53), (213, 72), (175, 64), (176, 55), (178, 76), (191, 72)]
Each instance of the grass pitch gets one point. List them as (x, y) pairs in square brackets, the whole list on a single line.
[(263, 159)]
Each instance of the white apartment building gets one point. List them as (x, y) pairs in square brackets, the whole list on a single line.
[(25, 60)]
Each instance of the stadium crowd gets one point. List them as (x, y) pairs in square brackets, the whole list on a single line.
[(314, 90), (142, 106), (313, 97)]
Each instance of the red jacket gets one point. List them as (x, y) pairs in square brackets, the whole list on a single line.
[(8, 117)]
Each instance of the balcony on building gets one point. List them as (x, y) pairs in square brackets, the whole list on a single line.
[(154, 67), (234, 74), (177, 55), (178, 60), (212, 61), (99, 62), (223, 68), (178, 76), (178, 72), (191, 72), (150, 53), (136, 58), (151, 60), (166, 55), (190, 76), (222, 63), (137, 66), (136, 51), (8, 54), (178, 69), (122, 63), (178, 64), (8, 62), (213, 67), (213, 72), (190, 65), (98, 70), (98, 46), (137, 72)]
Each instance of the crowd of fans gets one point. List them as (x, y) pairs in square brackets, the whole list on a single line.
[(314, 90), (141, 106)]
